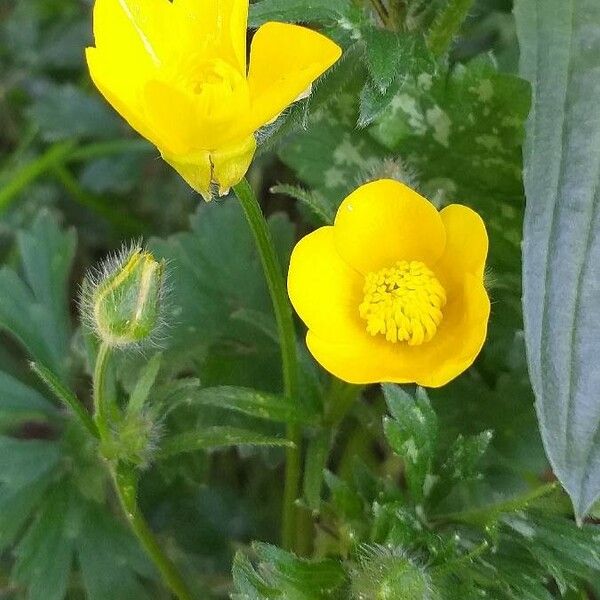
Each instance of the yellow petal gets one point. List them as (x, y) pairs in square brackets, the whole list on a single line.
[(385, 221), (195, 169), (466, 243), (172, 115), (132, 30), (123, 90), (231, 163), (284, 60), (324, 290), (454, 348), (217, 24)]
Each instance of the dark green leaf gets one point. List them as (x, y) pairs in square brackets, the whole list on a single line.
[(24, 461), (64, 112), (296, 11)]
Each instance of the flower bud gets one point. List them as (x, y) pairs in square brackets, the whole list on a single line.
[(124, 305)]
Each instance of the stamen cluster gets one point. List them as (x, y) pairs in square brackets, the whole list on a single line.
[(403, 302)]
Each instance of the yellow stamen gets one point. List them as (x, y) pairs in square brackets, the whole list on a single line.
[(403, 303)]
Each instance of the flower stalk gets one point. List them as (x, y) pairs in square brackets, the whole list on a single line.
[(287, 339), (124, 481)]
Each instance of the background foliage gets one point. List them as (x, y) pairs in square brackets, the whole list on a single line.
[(440, 496)]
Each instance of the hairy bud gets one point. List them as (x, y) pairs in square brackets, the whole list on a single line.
[(123, 304)]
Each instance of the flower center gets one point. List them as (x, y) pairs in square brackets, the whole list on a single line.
[(219, 88), (404, 303)]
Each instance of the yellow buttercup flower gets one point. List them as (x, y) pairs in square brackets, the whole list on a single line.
[(393, 291), (176, 71)]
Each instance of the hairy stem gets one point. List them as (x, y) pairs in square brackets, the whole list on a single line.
[(126, 488), (447, 25), (287, 340)]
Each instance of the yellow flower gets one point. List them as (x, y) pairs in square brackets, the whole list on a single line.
[(393, 291), (176, 71)]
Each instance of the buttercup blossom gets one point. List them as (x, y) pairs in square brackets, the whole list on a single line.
[(393, 291), (176, 71)]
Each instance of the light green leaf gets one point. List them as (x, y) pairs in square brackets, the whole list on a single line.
[(412, 433), (317, 453), (144, 383), (216, 437), (560, 46), (252, 402)]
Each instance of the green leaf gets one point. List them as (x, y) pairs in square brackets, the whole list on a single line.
[(412, 434), (16, 398), (297, 11), (282, 575), (251, 402), (67, 397), (210, 285), (110, 559), (461, 131), (395, 56), (24, 461), (35, 311), (144, 384), (313, 200), (216, 437), (45, 554), (64, 112), (317, 453), (345, 500), (16, 506), (561, 242)]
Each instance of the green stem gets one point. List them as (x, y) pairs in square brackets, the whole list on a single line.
[(447, 25), (490, 513), (100, 408), (125, 484), (60, 154), (149, 543), (31, 171), (287, 340), (66, 396)]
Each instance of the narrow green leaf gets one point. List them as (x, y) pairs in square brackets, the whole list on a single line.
[(313, 200), (66, 397), (144, 384), (560, 57), (262, 405), (316, 462), (216, 437)]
